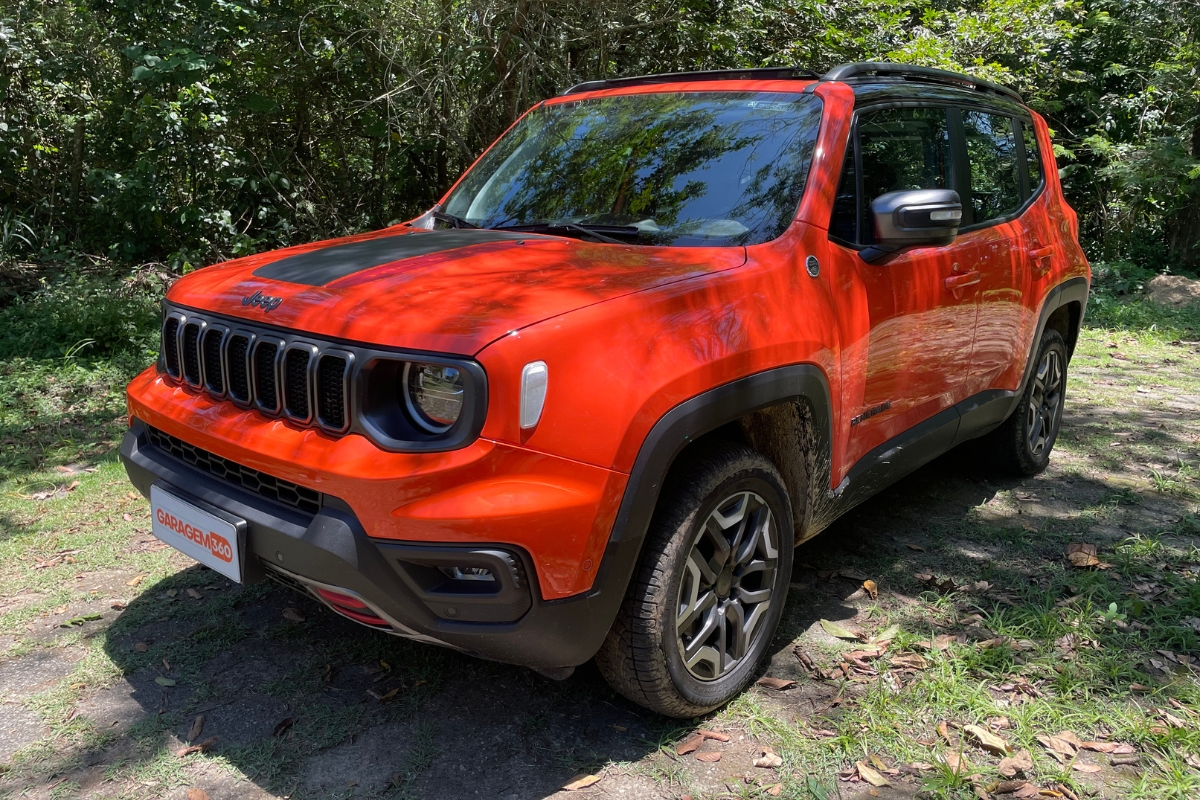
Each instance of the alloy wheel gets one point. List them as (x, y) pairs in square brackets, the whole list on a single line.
[(1045, 402), (728, 586)]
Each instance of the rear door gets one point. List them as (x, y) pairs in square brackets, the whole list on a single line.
[(995, 202)]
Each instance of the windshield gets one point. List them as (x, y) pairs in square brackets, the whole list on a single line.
[(684, 168)]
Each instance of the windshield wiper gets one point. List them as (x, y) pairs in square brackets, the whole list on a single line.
[(594, 231), (451, 220)]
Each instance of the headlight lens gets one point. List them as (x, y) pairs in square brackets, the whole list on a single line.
[(433, 394)]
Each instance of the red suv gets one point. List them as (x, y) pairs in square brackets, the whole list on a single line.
[(664, 330)]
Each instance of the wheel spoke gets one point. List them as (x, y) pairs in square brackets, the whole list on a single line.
[(699, 605), (735, 617)]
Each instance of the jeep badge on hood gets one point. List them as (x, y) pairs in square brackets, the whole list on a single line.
[(264, 301)]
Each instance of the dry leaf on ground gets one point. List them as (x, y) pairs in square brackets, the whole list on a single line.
[(1020, 762), (716, 736), (283, 727), (141, 647), (710, 757), (958, 764), (196, 729), (944, 731), (196, 748), (871, 588), (838, 631), (778, 684), (292, 615), (581, 782), (774, 790), (1081, 554), (689, 745), (869, 775), (909, 661), (988, 740), (196, 794), (1079, 766), (767, 759), (192, 593), (135, 580)]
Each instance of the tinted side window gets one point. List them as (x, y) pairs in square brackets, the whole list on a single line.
[(904, 148), (843, 224), (1033, 156), (995, 173)]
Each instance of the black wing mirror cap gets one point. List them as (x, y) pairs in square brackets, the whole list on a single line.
[(916, 217)]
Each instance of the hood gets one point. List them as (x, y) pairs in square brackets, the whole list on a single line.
[(448, 291)]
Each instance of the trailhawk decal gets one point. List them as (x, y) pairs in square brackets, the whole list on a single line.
[(328, 264), (194, 532)]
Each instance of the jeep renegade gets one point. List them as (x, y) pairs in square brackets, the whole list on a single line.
[(664, 330)]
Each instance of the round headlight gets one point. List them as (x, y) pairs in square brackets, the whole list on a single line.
[(433, 394)]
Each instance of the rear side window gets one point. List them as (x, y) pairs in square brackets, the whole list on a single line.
[(995, 171), (1033, 156)]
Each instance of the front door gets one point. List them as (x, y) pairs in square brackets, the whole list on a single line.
[(910, 356)]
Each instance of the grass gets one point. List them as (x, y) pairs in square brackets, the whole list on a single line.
[(1078, 650)]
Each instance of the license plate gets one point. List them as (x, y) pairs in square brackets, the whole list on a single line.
[(212, 541)]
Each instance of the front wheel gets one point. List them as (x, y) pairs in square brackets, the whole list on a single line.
[(710, 587), (1022, 444)]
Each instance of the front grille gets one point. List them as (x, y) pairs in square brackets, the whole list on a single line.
[(191, 353), (170, 345), (239, 377), (280, 373), (266, 392), (214, 381), (331, 392), (268, 486), (295, 387)]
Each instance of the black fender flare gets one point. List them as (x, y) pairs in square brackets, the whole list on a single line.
[(678, 428), (1072, 290)]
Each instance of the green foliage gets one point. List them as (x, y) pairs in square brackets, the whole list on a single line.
[(186, 133)]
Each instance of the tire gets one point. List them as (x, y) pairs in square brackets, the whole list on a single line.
[(642, 657), (1021, 445)]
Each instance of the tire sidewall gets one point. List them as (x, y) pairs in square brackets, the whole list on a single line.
[(1051, 341), (710, 694)]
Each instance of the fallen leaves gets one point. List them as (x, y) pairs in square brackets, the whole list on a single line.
[(710, 757), (161, 681), (135, 580), (284, 725), (988, 740), (871, 588), (716, 736), (871, 776), (1083, 556), (909, 661), (196, 729), (768, 760), (196, 794), (184, 752), (581, 782), (1019, 763), (778, 684), (292, 615), (840, 632), (690, 745), (141, 647)]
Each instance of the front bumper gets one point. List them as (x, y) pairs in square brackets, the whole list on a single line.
[(331, 549)]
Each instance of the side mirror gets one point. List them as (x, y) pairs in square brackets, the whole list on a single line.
[(913, 218)]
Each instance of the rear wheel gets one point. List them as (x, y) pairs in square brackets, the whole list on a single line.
[(710, 588), (1022, 444)]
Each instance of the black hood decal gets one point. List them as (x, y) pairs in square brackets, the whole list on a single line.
[(319, 267)]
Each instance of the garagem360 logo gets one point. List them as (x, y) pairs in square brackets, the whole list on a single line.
[(215, 543), (264, 301)]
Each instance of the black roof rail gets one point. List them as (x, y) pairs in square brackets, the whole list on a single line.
[(753, 74), (885, 71)]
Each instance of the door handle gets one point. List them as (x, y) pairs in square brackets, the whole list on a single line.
[(962, 280)]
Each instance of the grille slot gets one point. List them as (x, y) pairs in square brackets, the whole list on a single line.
[(295, 387), (238, 367), (332, 372), (266, 388), (277, 489), (214, 378), (191, 353), (170, 345)]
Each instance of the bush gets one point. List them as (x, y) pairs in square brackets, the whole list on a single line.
[(85, 317)]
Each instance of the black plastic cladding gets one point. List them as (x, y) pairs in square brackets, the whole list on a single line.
[(373, 405)]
